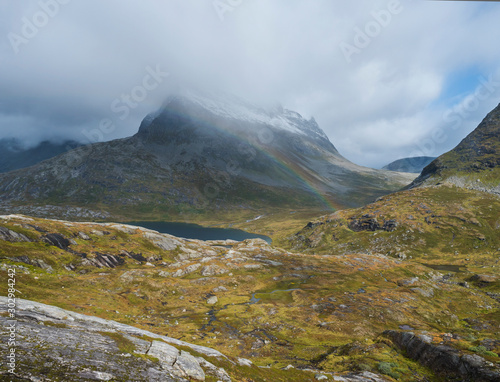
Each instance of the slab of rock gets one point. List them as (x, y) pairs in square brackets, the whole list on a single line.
[(43, 312), (244, 362), (253, 266), (186, 271), (219, 289), (190, 366), (484, 279), (406, 282), (12, 236), (54, 344), (360, 377), (162, 241), (102, 260), (57, 240), (83, 236), (426, 292), (211, 369), (444, 359), (167, 354)]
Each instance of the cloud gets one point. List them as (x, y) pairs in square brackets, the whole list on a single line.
[(380, 106)]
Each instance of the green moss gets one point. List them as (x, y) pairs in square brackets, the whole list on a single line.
[(60, 325), (124, 344), (483, 351)]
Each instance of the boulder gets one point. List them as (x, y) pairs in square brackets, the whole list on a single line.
[(212, 300), (57, 240), (443, 359)]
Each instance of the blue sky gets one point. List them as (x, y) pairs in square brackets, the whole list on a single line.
[(383, 78), (459, 84)]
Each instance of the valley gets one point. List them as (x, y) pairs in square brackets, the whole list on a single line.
[(249, 191), (402, 286)]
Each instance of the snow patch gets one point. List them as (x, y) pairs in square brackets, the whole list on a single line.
[(232, 107)]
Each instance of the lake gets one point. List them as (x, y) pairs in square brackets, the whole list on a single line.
[(195, 231)]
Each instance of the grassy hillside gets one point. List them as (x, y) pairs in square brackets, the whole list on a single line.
[(443, 224), (474, 163), (321, 311)]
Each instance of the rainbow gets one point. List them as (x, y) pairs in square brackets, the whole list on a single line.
[(272, 155)]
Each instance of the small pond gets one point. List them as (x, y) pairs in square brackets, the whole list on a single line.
[(445, 267), (195, 231)]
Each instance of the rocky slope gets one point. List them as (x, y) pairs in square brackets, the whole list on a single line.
[(442, 224), (448, 220), (54, 344), (473, 164), (441, 217), (203, 152), (304, 316), (413, 165)]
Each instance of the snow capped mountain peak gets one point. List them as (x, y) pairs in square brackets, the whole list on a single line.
[(232, 107)]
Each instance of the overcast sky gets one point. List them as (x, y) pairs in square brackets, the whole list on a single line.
[(384, 79)]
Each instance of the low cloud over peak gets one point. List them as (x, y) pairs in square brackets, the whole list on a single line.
[(67, 66)]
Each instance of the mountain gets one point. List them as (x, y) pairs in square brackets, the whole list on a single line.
[(204, 151), (14, 156), (412, 165), (474, 163), (448, 222), (450, 211)]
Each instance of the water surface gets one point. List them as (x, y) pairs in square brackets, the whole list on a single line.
[(445, 267), (195, 231)]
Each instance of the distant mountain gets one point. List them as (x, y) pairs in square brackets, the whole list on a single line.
[(15, 156), (204, 151), (412, 165), (473, 164)]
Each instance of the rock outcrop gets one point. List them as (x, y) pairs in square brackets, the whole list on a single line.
[(54, 344), (370, 223), (445, 359), (12, 236)]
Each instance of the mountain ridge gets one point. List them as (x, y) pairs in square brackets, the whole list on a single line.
[(474, 163), (186, 158), (15, 156), (412, 165)]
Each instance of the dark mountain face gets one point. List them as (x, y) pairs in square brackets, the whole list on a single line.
[(255, 144), (474, 163), (411, 165), (276, 147), (14, 156), (202, 153)]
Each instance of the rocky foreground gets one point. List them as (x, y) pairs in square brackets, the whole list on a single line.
[(118, 302), (54, 344)]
